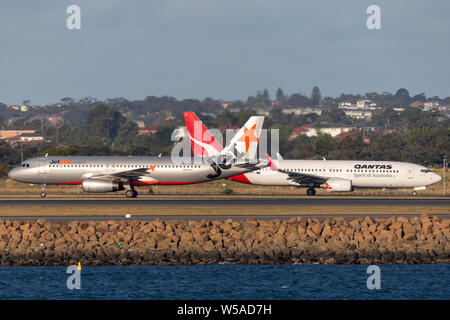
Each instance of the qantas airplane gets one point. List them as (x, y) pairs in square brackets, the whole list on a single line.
[(115, 173), (333, 175)]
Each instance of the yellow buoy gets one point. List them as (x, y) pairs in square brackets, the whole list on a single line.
[(79, 266)]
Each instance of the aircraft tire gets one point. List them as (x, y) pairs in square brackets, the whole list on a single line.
[(414, 193), (43, 194), (311, 192)]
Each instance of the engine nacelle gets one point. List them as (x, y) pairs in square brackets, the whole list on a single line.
[(100, 185), (342, 185)]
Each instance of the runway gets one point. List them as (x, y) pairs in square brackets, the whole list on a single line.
[(227, 202)]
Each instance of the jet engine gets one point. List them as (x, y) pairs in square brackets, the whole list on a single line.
[(338, 185), (100, 185)]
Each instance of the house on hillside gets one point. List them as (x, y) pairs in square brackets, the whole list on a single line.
[(26, 138), (416, 104), (359, 114), (14, 132), (302, 111), (146, 131), (315, 131), (346, 134)]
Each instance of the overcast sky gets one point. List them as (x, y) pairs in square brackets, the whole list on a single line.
[(224, 49)]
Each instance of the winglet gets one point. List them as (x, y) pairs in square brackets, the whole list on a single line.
[(271, 164)]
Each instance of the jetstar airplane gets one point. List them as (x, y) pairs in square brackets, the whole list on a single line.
[(115, 173), (333, 175)]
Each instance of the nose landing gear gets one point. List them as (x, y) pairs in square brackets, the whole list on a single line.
[(311, 191), (44, 191)]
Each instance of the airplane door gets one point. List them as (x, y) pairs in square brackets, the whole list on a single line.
[(43, 169), (410, 172)]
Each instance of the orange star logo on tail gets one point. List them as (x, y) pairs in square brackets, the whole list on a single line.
[(248, 137)]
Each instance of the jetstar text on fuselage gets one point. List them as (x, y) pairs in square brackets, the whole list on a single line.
[(61, 162)]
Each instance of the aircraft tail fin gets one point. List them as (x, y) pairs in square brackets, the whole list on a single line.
[(246, 140), (203, 143)]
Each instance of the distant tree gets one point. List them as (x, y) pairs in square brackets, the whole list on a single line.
[(352, 147), (164, 135), (402, 97), (67, 100), (332, 116), (225, 119), (243, 115), (323, 144), (105, 119), (126, 135), (280, 95), (265, 95), (300, 147), (419, 97), (316, 96), (298, 100), (387, 147)]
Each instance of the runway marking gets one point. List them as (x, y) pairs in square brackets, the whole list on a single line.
[(208, 211)]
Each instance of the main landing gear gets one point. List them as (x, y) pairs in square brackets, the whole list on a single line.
[(414, 193), (311, 191), (44, 191), (131, 193)]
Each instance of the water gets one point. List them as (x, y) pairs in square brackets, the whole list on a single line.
[(227, 282)]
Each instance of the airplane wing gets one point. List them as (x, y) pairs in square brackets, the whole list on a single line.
[(298, 177), (125, 176), (304, 178)]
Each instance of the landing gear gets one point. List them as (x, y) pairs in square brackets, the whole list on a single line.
[(44, 191), (131, 193), (414, 193), (311, 191)]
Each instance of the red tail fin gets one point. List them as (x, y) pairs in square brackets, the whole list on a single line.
[(203, 143)]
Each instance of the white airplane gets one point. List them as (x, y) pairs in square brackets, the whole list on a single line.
[(110, 174), (333, 175)]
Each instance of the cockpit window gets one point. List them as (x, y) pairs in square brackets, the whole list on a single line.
[(425, 170), (25, 165)]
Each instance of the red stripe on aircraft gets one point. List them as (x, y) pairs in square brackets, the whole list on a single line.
[(240, 178)]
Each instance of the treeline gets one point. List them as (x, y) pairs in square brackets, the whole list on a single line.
[(424, 146), (157, 110)]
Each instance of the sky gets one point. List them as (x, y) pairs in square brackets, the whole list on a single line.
[(224, 49)]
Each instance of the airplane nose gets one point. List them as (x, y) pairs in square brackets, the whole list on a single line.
[(436, 177), (12, 174)]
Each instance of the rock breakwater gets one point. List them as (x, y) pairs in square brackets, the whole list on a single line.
[(333, 240)]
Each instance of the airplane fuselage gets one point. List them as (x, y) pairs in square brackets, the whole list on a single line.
[(155, 170), (370, 174)]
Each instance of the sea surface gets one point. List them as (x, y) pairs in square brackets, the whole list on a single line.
[(227, 282)]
